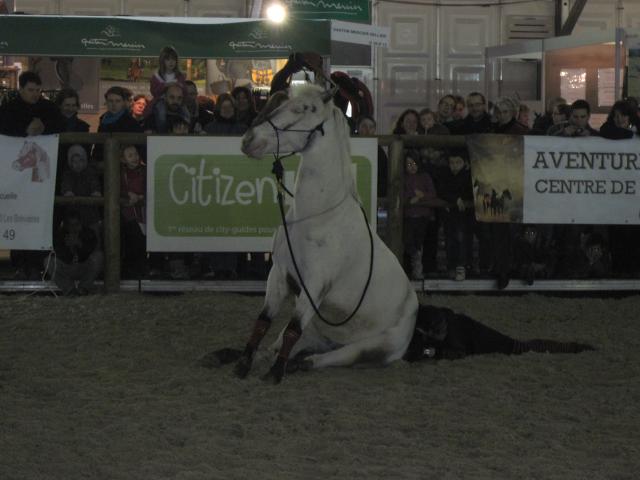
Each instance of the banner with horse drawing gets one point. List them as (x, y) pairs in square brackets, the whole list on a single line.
[(27, 187), (204, 194), (555, 180)]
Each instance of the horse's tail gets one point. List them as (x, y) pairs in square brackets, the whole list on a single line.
[(549, 346)]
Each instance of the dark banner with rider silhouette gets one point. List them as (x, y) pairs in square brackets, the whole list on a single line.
[(27, 184), (555, 180)]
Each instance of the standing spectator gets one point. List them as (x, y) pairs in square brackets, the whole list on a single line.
[(446, 106), (618, 125), (542, 123), (523, 115), (366, 126), (408, 123), (500, 234), (225, 119), (29, 114), (478, 119), (419, 198), (69, 103), (245, 105), (138, 107), (79, 179), (458, 110), (198, 111), (578, 124), (561, 114), (133, 179), (78, 260), (458, 219), (117, 119), (166, 109)]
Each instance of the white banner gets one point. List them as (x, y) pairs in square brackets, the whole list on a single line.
[(360, 33), (581, 180), (27, 188)]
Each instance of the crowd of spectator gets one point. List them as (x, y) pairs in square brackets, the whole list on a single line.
[(441, 234)]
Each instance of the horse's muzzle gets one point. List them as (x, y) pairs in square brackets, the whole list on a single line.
[(251, 145)]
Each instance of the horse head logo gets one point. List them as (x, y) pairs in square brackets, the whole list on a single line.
[(111, 31), (33, 156)]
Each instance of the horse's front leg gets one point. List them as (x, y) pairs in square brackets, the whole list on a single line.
[(303, 314), (277, 291)]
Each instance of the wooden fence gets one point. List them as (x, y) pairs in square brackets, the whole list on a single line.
[(111, 199)]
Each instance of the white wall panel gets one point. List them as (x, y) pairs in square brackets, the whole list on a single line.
[(94, 7), (598, 16), (155, 8), (37, 7)]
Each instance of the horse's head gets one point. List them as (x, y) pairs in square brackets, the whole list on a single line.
[(27, 158), (289, 126), (507, 194)]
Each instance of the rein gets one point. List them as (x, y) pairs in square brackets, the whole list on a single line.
[(278, 171)]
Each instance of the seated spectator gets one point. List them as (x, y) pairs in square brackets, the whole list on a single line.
[(167, 108), (533, 255), (542, 123), (225, 119), (578, 124), (78, 260), (69, 103), (245, 105), (79, 179), (366, 126), (133, 178), (459, 216), (618, 125), (30, 113), (419, 199), (138, 107)]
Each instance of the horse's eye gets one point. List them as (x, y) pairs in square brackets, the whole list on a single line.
[(313, 109)]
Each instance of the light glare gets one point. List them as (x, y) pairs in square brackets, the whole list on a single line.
[(276, 12)]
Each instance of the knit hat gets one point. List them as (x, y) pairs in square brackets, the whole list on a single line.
[(76, 150)]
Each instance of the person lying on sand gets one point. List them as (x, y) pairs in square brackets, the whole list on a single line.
[(440, 333)]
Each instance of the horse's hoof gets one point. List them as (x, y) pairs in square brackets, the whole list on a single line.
[(242, 367), (221, 357), (273, 376), (301, 364)]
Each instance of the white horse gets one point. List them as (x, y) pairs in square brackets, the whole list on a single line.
[(330, 240)]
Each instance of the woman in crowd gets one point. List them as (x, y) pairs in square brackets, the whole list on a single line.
[(245, 105), (225, 118)]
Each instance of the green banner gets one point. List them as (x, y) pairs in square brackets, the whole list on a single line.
[(347, 10), (226, 201), (134, 37)]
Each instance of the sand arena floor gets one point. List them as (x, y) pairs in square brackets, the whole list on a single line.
[(109, 387)]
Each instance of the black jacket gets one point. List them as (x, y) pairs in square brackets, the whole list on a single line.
[(612, 132), (88, 240), (16, 115), (469, 126)]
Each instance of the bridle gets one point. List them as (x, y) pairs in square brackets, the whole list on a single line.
[(278, 171)]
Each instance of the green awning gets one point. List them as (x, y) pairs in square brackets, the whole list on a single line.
[(82, 36)]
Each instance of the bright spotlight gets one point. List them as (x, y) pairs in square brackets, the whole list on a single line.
[(276, 12)]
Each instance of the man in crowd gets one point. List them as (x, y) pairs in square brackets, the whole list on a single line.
[(166, 109), (578, 123), (26, 115), (200, 116), (477, 120), (29, 113)]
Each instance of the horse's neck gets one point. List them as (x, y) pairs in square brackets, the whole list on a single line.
[(324, 176)]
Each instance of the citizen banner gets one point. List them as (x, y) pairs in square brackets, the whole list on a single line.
[(205, 195), (27, 187), (555, 180)]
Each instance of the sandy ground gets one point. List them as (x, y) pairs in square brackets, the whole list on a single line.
[(109, 387)]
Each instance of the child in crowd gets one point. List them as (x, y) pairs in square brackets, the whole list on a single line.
[(133, 179), (81, 180), (168, 72), (419, 198), (533, 255), (457, 191)]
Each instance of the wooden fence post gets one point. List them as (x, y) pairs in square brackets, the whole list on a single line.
[(395, 193), (112, 215)]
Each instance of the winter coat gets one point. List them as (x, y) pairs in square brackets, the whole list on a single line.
[(16, 115)]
